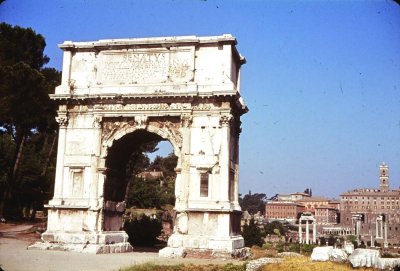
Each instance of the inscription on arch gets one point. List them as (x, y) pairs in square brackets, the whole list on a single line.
[(135, 67)]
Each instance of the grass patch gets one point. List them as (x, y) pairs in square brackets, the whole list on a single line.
[(305, 264), (258, 252), (182, 267)]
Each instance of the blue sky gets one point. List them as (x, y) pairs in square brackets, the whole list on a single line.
[(322, 79)]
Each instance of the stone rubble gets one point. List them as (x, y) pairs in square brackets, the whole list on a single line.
[(359, 258), (388, 263), (338, 255), (322, 254), (364, 257)]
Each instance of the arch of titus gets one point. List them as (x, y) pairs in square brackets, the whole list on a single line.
[(116, 95)]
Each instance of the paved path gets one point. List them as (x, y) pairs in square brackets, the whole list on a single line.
[(15, 257)]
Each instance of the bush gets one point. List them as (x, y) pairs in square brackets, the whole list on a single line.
[(143, 231), (331, 241), (267, 246), (252, 234), (294, 248), (307, 249), (280, 247)]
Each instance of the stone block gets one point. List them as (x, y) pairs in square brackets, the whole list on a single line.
[(171, 252), (93, 249), (362, 257), (339, 255), (349, 248), (175, 240), (388, 263), (321, 254), (106, 249)]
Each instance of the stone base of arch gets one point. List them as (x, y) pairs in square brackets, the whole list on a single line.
[(204, 247), (206, 234), (92, 242)]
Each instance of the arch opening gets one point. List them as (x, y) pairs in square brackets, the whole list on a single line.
[(139, 188)]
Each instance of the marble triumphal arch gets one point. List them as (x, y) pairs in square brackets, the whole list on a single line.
[(117, 94)]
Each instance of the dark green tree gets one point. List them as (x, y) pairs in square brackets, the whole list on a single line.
[(253, 203), (252, 234), (274, 227), (25, 108), (166, 165), (156, 192), (19, 44)]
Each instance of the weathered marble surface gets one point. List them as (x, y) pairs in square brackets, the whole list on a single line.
[(182, 89), (364, 257)]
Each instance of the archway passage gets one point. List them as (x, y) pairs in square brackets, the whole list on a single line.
[(118, 95), (133, 182), (128, 148)]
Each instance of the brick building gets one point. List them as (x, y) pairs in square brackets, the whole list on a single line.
[(326, 215), (375, 209), (283, 211)]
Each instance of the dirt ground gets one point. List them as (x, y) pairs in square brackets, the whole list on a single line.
[(14, 255)]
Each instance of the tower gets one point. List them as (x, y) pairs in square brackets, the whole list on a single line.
[(384, 177)]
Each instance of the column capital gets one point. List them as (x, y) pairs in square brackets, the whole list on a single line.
[(62, 121), (226, 119), (186, 120)]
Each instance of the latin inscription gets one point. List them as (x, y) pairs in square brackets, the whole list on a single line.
[(133, 67)]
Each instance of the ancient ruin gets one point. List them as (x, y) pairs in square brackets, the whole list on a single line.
[(118, 94)]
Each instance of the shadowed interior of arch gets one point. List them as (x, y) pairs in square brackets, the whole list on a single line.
[(139, 192), (126, 149)]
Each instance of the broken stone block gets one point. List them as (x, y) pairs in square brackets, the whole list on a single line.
[(321, 254), (362, 257)]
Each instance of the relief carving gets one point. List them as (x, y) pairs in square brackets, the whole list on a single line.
[(203, 106), (166, 128), (186, 120), (170, 130), (142, 107), (97, 122), (141, 121), (79, 108), (109, 128)]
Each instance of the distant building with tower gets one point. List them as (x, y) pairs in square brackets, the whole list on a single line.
[(373, 214)]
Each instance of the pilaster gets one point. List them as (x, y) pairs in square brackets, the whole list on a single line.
[(224, 157), (62, 120)]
